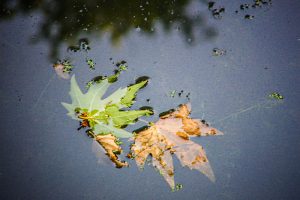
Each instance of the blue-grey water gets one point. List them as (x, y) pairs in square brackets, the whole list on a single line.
[(43, 156)]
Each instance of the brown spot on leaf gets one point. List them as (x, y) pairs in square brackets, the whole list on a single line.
[(183, 135), (191, 126)]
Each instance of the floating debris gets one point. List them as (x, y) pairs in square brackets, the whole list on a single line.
[(276, 95), (188, 96), (216, 12), (68, 67), (249, 17), (112, 78), (211, 5), (73, 48), (260, 3), (218, 52), (178, 186), (122, 65), (63, 68), (172, 93), (255, 4), (180, 93), (244, 6), (90, 63)]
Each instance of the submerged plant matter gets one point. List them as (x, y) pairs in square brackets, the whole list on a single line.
[(171, 135)]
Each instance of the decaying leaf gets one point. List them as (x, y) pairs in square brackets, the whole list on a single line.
[(152, 142), (170, 135), (108, 142), (100, 154)]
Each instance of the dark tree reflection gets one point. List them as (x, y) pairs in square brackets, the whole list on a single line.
[(65, 20)]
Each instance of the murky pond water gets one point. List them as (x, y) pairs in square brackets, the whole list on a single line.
[(225, 58)]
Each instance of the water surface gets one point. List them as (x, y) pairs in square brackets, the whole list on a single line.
[(43, 156)]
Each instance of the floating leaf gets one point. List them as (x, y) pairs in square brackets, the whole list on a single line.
[(108, 142), (90, 101), (151, 142), (122, 118), (110, 128), (170, 135), (127, 100), (90, 63), (104, 116)]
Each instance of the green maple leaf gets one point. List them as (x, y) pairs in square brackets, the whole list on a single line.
[(123, 118), (105, 115)]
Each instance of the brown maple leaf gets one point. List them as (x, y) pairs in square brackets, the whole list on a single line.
[(108, 142), (171, 135)]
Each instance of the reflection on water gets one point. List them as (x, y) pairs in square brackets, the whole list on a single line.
[(64, 21)]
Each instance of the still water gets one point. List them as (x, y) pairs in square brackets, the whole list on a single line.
[(228, 60)]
